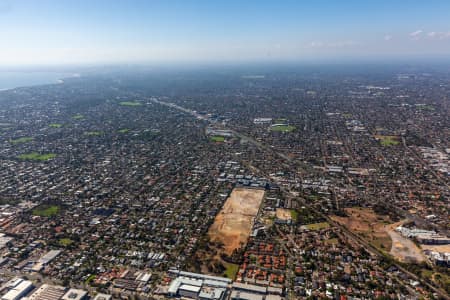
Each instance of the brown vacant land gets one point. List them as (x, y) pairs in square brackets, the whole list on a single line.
[(403, 248), (438, 248), (284, 214), (368, 224), (233, 225)]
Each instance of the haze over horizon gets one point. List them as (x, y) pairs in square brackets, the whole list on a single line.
[(88, 32)]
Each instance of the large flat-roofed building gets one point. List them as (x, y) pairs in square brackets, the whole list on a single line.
[(216, 293), (102, 297), (274, 290), (190, 291), (202, 276), (75, 294), (240, 295), (177, 283), (197, 286), (17, 289), (262, 120), (45, 260), (273, 297), (4, 240), (48, 292), (219, 132), (256, 289), (49, 256), (428, 237)]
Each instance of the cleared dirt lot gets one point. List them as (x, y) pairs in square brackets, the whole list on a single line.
[(438, 248), (368, 224), (403, 248), (233, 225), (283, 214)]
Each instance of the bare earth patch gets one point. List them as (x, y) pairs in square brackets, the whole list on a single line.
[(283, 214), (368, 224), (233, 225), (438, 248), (403, 248)]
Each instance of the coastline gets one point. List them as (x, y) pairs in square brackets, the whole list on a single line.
[(59, 80)]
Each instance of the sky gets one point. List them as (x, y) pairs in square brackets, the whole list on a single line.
[(40, 32)]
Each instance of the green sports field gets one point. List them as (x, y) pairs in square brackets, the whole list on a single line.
[(282, 128), (34, 156)]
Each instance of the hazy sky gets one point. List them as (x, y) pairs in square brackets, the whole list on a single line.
[(127, 31)]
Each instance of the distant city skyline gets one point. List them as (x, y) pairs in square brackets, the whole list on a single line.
[(98, 31)]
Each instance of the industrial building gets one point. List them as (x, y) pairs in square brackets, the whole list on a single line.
[(197, 286), (16, 288), (239, 295), (242, 291), (259, 121), (102, 297), (251, 288), (45, 260), (219, 132), (75, 294), (4, 240), (48, 292), (427, 237)]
